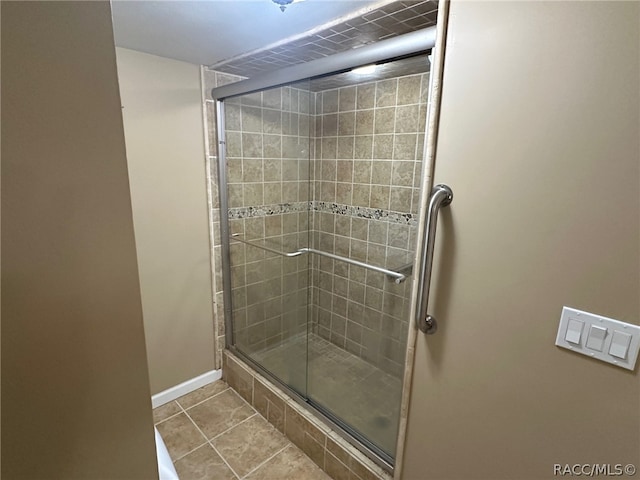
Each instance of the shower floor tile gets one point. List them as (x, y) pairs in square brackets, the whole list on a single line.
[(240, 443), (354, 390)]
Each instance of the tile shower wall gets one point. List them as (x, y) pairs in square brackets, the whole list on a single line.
[(268, 178), (267, 141), (211, 79), (366, 146), (368, 151)]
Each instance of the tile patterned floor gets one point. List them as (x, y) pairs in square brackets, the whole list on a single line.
[(213, 434)]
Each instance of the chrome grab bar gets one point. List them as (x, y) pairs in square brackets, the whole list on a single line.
[(398, 277), (441, 196)]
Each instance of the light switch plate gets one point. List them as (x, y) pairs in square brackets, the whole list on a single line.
[(620, 329)]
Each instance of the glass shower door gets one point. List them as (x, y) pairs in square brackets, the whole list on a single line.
[(369, 143), (323, 180), (267, 157)]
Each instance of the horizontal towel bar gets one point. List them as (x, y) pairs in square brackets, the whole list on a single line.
[(296, 253), (398, 277)]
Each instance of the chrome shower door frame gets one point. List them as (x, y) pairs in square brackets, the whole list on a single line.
[(225, 250)]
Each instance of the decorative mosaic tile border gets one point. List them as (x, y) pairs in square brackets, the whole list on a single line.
[(364, 212), (324, 207), (267, 210)]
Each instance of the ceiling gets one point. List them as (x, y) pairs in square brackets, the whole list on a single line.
[(209, 31), (379, 22), (248, 38)]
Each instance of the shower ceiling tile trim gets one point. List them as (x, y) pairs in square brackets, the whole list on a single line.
[(386, 21)]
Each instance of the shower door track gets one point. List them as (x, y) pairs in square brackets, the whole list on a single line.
[(401, 46)]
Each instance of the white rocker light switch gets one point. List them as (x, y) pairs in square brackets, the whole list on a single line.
[(598, 337), (595, 340), (620, 344), (574, 331)]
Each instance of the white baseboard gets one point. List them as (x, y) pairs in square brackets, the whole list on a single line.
[(189, 386)]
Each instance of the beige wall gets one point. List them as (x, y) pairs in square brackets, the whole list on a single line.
[(163, 120), (539, 141), (74, 373)]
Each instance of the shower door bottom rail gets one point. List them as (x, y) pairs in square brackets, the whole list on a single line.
[(397, 276)]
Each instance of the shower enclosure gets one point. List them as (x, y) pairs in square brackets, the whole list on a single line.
[(320, 169)]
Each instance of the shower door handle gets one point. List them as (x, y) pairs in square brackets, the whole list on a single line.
[(441, 196)]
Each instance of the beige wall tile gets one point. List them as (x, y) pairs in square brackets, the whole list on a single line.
[(405, 147), (385, 120), (409, 90), (345, 147), (252, 169), (232, 117), (361, 194), (335, 468), (234, 144), (379, 197), (272, 98), (364, 122), (347, 99), (346, 123), (400, 199), (252, 145), (251, 119), (386, 92), (294, 426), (362, 171), (330, 101), (272, 122), (365, 96), (272, 193), (407, 119), (378, 231), (383, 147), (238, 378), (272, 145), (381, 172), (314, 450)]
